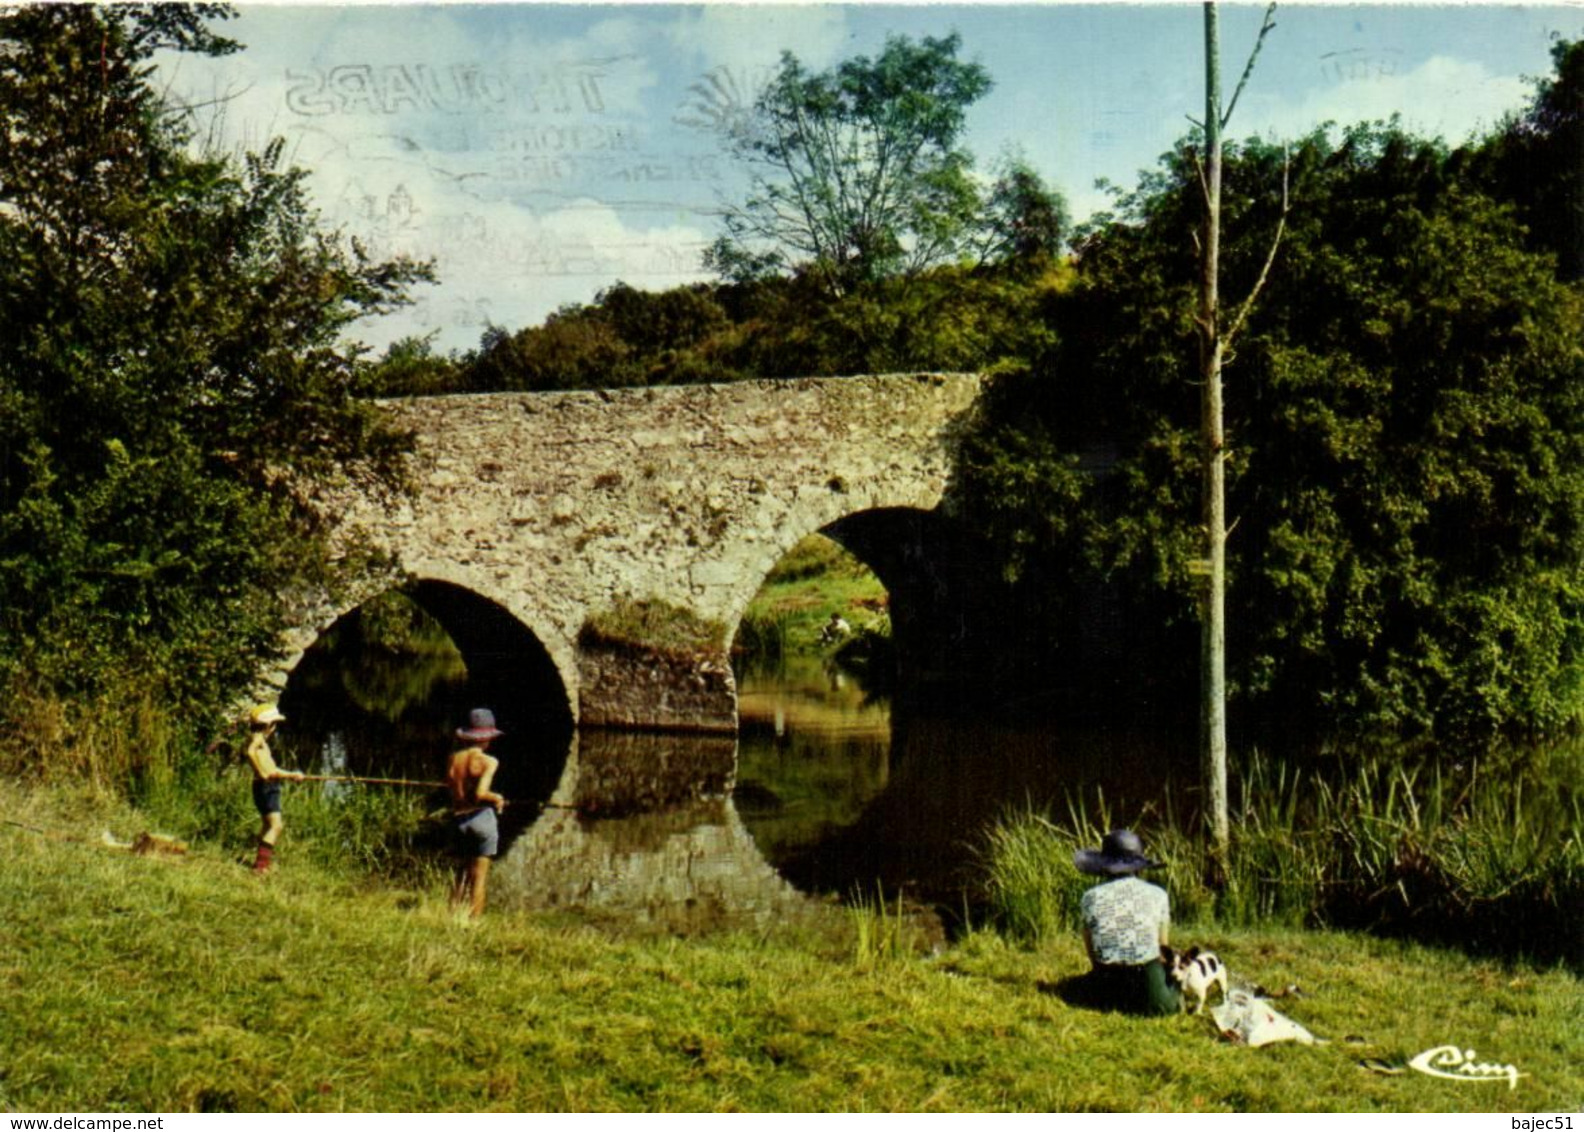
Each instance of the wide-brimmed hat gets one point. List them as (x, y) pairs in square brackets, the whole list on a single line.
[(481, 725), (1121, 853), (265, 713)]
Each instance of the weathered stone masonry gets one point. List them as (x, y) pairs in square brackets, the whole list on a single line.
[(558, 505)]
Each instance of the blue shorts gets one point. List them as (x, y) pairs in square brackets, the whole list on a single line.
[(266, 796), (478, 833)]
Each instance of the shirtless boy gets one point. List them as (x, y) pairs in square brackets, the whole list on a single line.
[(267, 778), (470, 776)]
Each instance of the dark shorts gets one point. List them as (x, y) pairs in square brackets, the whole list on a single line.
[(478, 833), (266, 796), (1143, 989)]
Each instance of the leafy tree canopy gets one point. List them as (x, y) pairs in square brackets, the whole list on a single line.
[(1537, 160), (1406, 419), (857, 172), (171, 369)]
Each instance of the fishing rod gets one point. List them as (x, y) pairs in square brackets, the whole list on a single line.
[(415, 782), (370, 781)]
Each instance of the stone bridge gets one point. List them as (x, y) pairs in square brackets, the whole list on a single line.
[(554, 509), (537, 515)]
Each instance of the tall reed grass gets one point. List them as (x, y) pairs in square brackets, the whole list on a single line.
[(1483, 858), (129, 748), (123, 744)]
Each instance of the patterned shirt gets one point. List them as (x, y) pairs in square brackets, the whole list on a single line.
[(1125, 918)]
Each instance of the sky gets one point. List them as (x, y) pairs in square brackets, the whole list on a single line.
[(541, 153)]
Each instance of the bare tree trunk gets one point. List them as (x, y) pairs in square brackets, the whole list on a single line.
[(1213, 737)]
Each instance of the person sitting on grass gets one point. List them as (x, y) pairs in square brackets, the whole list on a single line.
[(267, 778), (1126, 921), (470, 775)]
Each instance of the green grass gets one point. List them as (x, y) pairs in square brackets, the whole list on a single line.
[(816, 578), (166, 985), (652, 624)]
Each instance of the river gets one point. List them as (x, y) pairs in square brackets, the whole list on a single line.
[(837, 794)]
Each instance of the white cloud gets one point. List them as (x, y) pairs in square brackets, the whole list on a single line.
[(1443, 97), (748, 37), (522, 151)]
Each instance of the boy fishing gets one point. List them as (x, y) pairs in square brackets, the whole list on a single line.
[(267, 778), (470, 774)]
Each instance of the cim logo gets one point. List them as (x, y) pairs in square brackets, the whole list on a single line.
[(1453, 1063)]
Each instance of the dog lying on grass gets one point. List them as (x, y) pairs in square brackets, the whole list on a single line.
[(1194, 972)]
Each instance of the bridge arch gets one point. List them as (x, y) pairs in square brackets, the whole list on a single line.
[(416, 700), (935, 573), (558, 507)]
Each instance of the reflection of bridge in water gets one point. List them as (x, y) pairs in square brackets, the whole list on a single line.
[(680, 866), (536, 515)]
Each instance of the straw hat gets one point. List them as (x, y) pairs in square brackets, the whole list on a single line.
[(265, 714)]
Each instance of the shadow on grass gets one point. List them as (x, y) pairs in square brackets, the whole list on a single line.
[(1080, 991), (1086, 992)]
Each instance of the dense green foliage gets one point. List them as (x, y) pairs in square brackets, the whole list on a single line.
[(1406, 415), (946, 319), (170, 372), (1480, 858), (1537, 161)]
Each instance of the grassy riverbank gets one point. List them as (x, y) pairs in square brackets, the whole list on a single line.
[(159, 985), (816, 578)]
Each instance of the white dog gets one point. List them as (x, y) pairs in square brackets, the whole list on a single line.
[(1195, 971)]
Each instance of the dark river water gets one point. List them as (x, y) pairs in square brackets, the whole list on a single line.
[(836, 793), (840, 794)]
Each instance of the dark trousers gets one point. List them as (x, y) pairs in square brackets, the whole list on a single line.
[(1141, 989)]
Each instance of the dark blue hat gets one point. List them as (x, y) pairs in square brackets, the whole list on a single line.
[(1121, 853), (481, 726)]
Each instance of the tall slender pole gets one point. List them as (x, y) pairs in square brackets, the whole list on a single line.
[(1213, 635)]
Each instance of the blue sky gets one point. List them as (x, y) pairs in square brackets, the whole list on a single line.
[(540, 153)]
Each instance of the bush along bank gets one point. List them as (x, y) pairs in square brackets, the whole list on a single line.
[(1488, 861)]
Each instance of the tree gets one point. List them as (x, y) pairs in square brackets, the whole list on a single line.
[(171, 369), (1025, 221), (1537, 160), (1408, 476), (1215, 340), (857, 171)]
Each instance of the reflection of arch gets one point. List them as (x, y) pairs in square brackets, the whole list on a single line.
[(689, 868)]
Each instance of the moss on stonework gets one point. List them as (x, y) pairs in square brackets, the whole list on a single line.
[(653, 626)]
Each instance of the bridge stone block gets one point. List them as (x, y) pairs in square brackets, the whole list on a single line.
[(646, 689)]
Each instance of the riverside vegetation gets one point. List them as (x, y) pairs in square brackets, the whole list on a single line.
[(154, 984), (1407, 568)]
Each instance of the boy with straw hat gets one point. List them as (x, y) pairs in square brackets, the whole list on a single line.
[(267, 778)]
